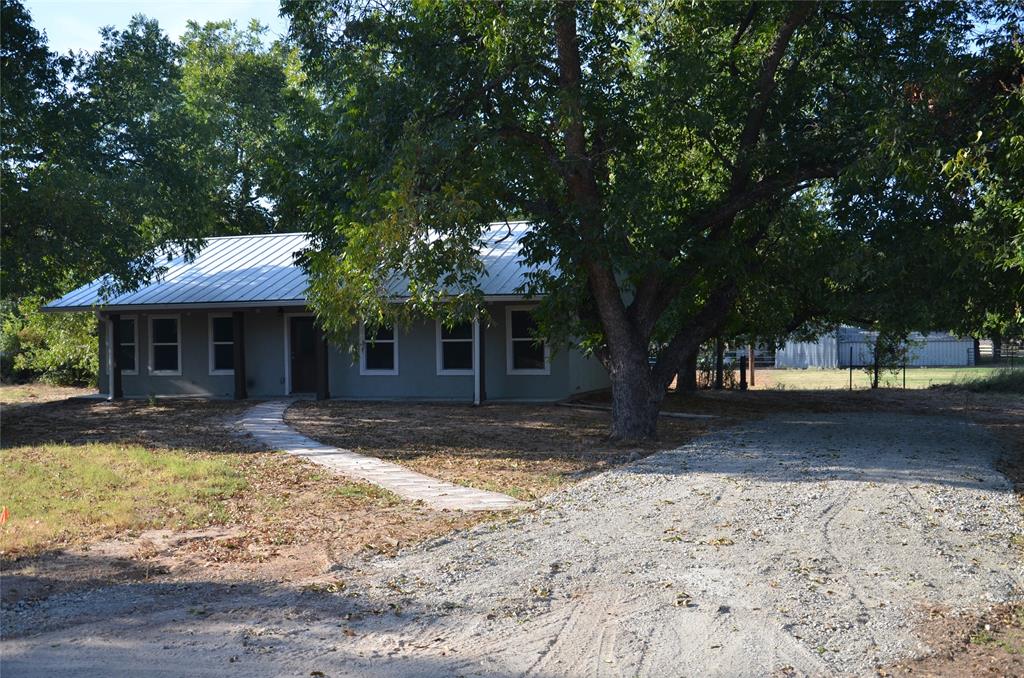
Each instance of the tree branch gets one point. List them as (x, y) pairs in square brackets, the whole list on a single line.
[(538, 141), (765, 88), (656, 292), (652, 299)]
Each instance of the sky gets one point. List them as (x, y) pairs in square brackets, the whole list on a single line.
[(75, 24)]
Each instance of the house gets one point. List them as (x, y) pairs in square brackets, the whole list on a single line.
[(233, 322), (851, 345)]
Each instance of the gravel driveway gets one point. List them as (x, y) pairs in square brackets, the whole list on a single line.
[(803, 545)]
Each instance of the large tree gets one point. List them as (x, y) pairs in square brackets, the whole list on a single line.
[(113, 158), (668, 154), (236, 90)]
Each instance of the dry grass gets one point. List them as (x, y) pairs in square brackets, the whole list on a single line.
[(60, 494), (195, 425), (522, 450), (87, 478), (16, 394), (987, 644), (820, 379)]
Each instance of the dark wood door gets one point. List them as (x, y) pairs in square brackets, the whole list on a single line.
[(302, 345)]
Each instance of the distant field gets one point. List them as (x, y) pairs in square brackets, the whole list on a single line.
[(814, 379)]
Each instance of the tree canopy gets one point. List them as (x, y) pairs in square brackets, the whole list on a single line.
[(115, 157), (691, 169), (679, 161)]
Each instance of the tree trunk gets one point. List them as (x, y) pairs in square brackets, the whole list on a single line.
[(686, 380), (636, 401), (977, 351)]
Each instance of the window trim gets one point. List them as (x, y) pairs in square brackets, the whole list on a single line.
[(439, 350), (363, 370), (164, 373), (509, 365), (135, 343), (210, 343)]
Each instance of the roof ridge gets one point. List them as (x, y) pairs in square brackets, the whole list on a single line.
[(254, 235), (307, 233)]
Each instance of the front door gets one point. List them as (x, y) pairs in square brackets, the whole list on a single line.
[(302, 347)]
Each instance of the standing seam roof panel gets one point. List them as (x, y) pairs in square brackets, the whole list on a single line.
[(262, 268), (228, 283), (235, 253)]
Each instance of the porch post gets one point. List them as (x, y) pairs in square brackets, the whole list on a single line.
[(322, 374), (238, 346), (116, 386), (477, 367)]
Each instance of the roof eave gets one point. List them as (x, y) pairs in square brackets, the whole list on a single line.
[(268, 303)]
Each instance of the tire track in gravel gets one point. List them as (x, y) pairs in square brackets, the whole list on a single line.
[(804, 545)]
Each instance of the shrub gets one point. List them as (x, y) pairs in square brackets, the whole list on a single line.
[(58, 348)]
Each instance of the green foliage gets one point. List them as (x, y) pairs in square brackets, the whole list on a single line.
[(58, 348), (101, 179), (234, 88), (692, 169), (890, 353), (987, 168), (144, 147)]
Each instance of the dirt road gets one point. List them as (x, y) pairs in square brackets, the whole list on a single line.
[(806, 545)]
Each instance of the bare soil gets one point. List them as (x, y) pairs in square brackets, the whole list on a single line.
[(801, 544), (293, 519), (522, 450), (12, 395), (303, 538)]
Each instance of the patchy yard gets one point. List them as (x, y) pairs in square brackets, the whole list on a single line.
[(522, 450), (65, 494), (16, 394), (820, 541), (100, 492)]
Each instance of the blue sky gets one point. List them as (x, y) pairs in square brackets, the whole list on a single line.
[(75, 24)]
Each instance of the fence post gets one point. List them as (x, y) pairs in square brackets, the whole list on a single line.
[(851, 367), (719, 363), (743, 373)]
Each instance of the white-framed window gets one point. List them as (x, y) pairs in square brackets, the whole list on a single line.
[(378, 351), (128, 350), (525, 353), (165, 344), (455, 349), (222, 343)]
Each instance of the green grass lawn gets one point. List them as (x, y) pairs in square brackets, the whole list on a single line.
[(60, 494), (917, 377)]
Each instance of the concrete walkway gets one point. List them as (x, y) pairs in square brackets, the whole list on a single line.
[(266, 423)]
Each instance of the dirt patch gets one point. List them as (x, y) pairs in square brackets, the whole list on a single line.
[(522, 450), (796, 545), (969, 644), (182, 424), (13, 395), (292, 519)]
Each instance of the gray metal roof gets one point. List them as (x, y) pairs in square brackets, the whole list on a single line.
[(260, 270)]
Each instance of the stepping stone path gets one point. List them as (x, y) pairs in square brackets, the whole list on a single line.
[(266, 423)]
